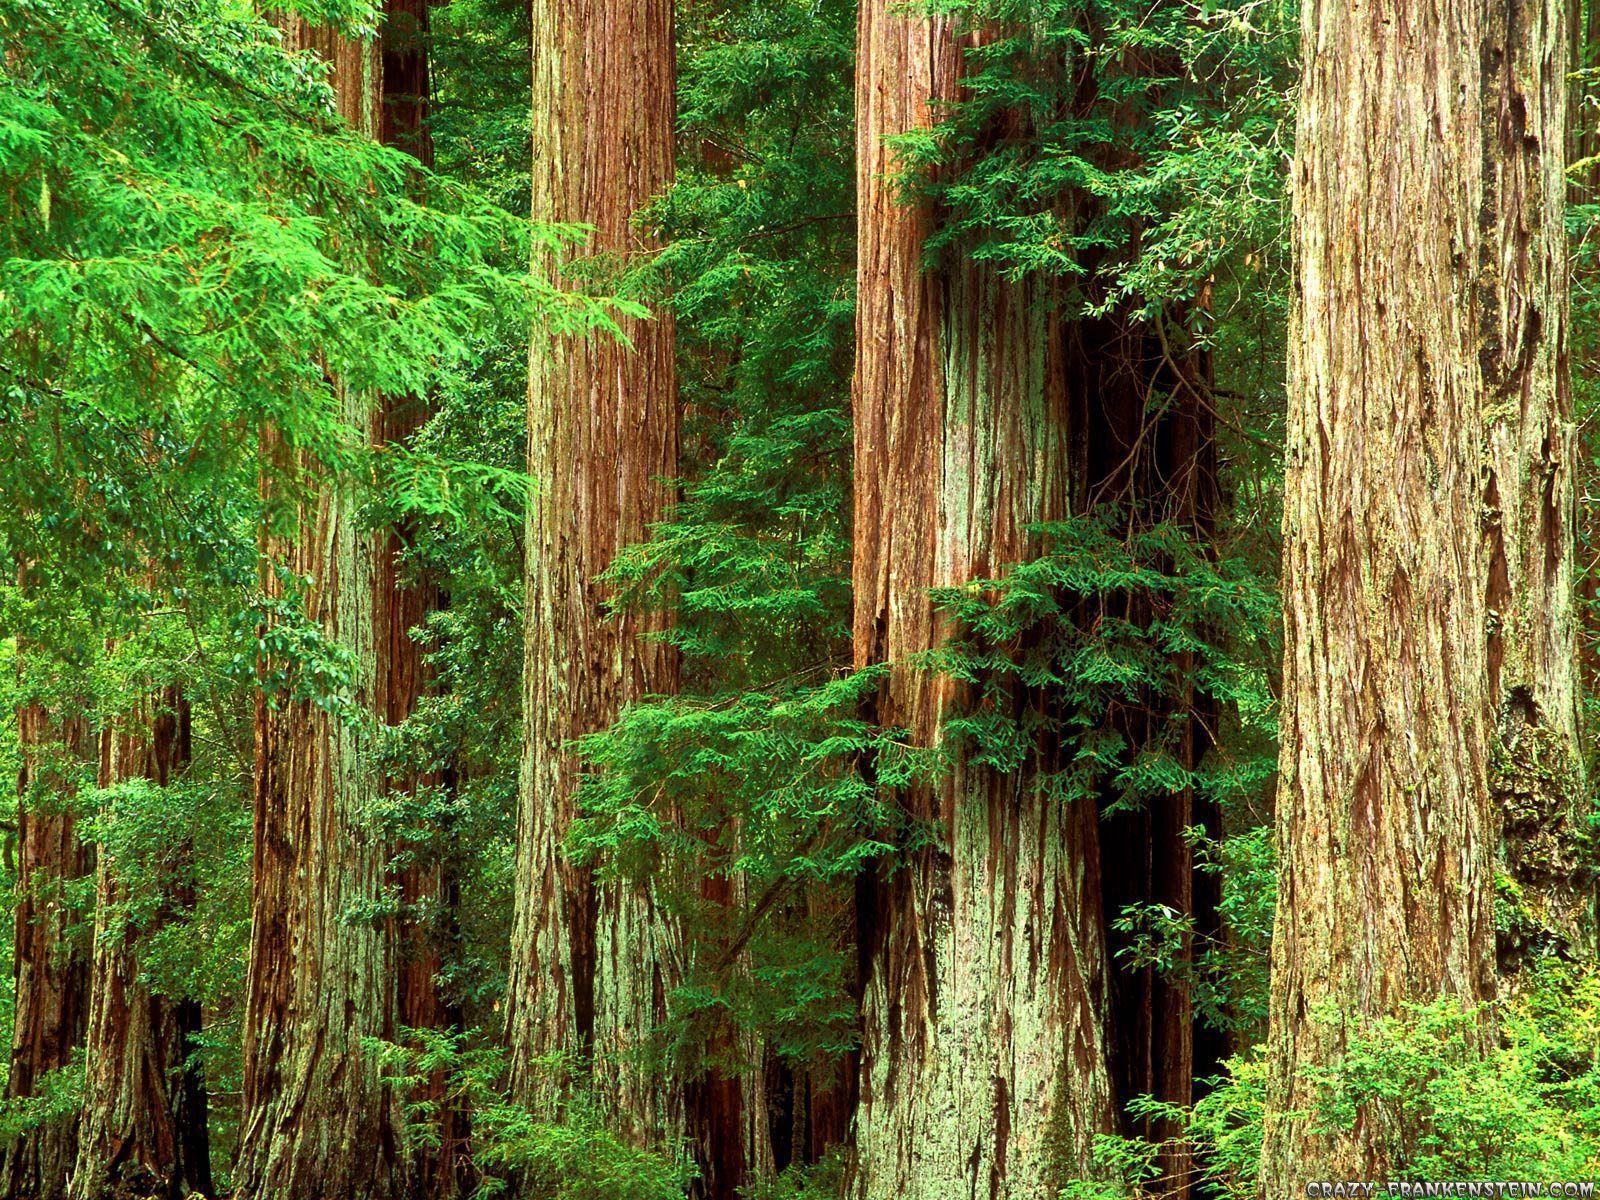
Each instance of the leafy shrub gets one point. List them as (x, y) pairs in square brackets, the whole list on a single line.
[(568, 1154), (1529, 1109)]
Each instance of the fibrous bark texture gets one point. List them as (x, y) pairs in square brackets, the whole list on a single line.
[(143, 1129), (319, 1117), (51, 965), (591, 967), (983, 1060), (1385, 830), (1533, 668)]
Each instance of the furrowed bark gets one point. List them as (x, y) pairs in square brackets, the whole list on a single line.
[(143, 1128), (1536, 775), (591, 966), (51, 966), (983, 1060), (320, 1118), (1385, 830)]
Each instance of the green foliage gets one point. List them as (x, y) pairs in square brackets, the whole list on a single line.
[(765, 788), (57, 1098), (1133, 149), (1227, 973), (1092, 628), (1443, 1109), (758, 268), (822, 1180), (568, 1155), (1530, 1109), (744, 796), (481, 59), (196, 252), (783, 761)]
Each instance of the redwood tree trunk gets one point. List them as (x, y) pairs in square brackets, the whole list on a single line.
[(1385, 830), (319, 1117), (401, 603), (51, 966), (1536, 768), (983, 1060), (590, 966), (143, 1128)]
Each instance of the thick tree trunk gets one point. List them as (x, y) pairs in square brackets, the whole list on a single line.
[(1583, 187), (983, 1061), (51, 966), (1385, 831), (1536, 769), (143, 1129), (590, 967), (319, 1117)]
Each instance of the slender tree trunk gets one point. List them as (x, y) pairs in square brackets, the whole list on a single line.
[(320, 1119), (729, 1124), (809, 1106), (1536, 769), (426, 892), (401, 604), (1385, 831), (983, 1060), (1150, 462), (143, 1129), (51, 965), (590, 967)]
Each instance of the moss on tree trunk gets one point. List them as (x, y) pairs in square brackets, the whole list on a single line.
[(591, 964), (984, 1058)]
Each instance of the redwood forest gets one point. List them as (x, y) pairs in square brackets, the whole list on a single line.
[(799, 599)]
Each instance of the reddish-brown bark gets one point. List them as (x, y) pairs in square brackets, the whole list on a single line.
[(590, 967), (143, 1129), (51, 964), (320, 1117), (984, 1062), (1532, 459), (1385, 828)]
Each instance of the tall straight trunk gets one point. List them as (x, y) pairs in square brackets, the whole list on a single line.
[(401, 604), (1536, 770), (983, 1059), (320, 1119), (143, 1129), (1385, 830), (590, 967), (51, 966)]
